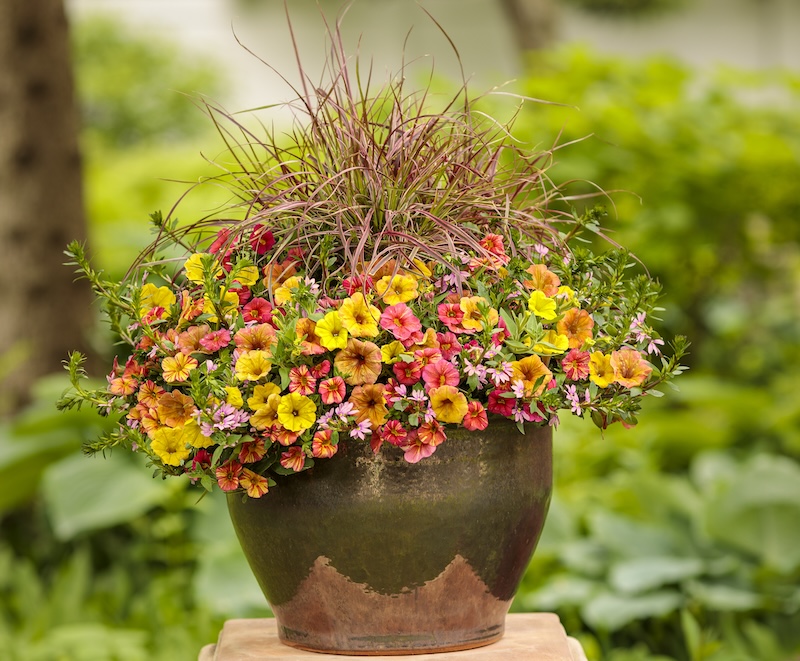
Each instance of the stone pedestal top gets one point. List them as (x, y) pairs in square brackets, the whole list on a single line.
[(528, 637)]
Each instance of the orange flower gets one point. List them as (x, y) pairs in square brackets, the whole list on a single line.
[(577, 325), (322, 447), (370, 404), (259, 337), (531, 370), (175, 408), (630, 369), (254, 484), (306, 331), (359, 362), (542, 280)]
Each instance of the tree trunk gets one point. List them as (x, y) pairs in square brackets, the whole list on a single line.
[(41, 204), (533, 23)]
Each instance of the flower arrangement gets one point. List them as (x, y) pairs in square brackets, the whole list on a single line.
[(388, 273)]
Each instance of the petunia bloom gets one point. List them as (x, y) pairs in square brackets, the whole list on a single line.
[(576, 364), (359, 362), (176, 369), (449, 404), (359, 317), (293, 459), (533, 373), (255, 485), (228, 475), (322, 446), (630, 369), (370, 404), (542, 280), (253, 365), (601, 371), (440, 373), (577, 325), (296, 412), (301, 381), (400, 321), (331, 331), (475, 418), (332, 390), (397, 288), (542, 306), (170, 446)]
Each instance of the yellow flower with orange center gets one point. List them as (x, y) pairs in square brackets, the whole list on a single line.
[(255, 485), (397, 288), (370, 404), (296, 412), (449, 404), (551, 344), (331, 331), (176, 369), (577, 325), (253, 365), (169, 445), (359, 362), (601, 371), (533, 373), (542, 280), (359, 317), (630, 369), (266, 415)]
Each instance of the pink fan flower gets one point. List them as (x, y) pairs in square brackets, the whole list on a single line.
[(332, 391), (216, 340), (476, 418), (440, 373), (400, 321), (301, 381)]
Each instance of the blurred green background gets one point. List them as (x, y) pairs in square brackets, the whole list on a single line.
[(679, 539)]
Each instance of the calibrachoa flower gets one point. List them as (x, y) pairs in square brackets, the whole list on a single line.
[(296, 412), (293, 459), (576, 364)]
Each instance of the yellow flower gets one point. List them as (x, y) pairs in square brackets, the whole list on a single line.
[(155, 297), (176, 368), (296, 412), (234, 397), (359, 317), (601, 372), (266, 415), (253, 365), (560, 344), (229, 303), (449, 404), (248, 276), (473, 318), (261, 394), (397, 288), (194, 268), (170, 446), (542, 306), (567, 294), (331, 331), (284, 292), (390, 353), (531, 370)]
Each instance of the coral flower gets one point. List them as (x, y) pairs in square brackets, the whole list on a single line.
[(123, 385), (533, 374), (261, 394), (359, 317), (542, 280), (170, 446), (576, 364), (415, 449), (448, 345), (394, 433), (476, 418), (397, 288), (449, 404), (440, 373), (293, 459), (321, 369), (284, 436), (451, 314), (428, 355), (175, 408), (267, 415), (322, 447), (357, 283), (408, 373), (370, 404), (176, 368), (252, 451), (190, 308), (301, 381), (331, 331), (228, 475), (542, 306), (296, 412), (253, 365), (216, 340), (258, 309), (332, 391), (400, 321), (260, 336), (149, 393), (432, 433), (359, 362), (601, 371), (254, 484), (189, 340), (630, 369), (577, 325), (277, 273), (309, 340)]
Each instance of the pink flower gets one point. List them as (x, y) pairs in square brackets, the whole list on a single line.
[(228, 475), (261, 239), (400, 321), (216, 340), (322, 369), (499, 338), (440, 373), (448, 344), (301, 381), (357, 283), (222, 238), (476, 418), (407, 373), (576, 364), (293, 459), (394, 433), (322, 447), (501, 405), (451, 315), (332, 391), (427, 355), (415, 449), (494, 244), (258, 309)]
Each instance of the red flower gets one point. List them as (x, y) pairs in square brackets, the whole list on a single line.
[(332, 391), (222, 238), (576, 364), (407, 373), (448, 344), (501, 405), (261, 239), (440, 373), (258, 309), (293, 459), (228, 476)]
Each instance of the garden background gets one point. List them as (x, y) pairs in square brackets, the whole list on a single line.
[(677, 539)]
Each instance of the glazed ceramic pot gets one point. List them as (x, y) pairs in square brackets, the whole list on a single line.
[(368, 554)]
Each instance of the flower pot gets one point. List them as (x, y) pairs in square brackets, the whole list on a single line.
[(368, 554)]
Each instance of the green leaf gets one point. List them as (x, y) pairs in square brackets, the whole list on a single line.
[(636, 575), (610, 612)]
